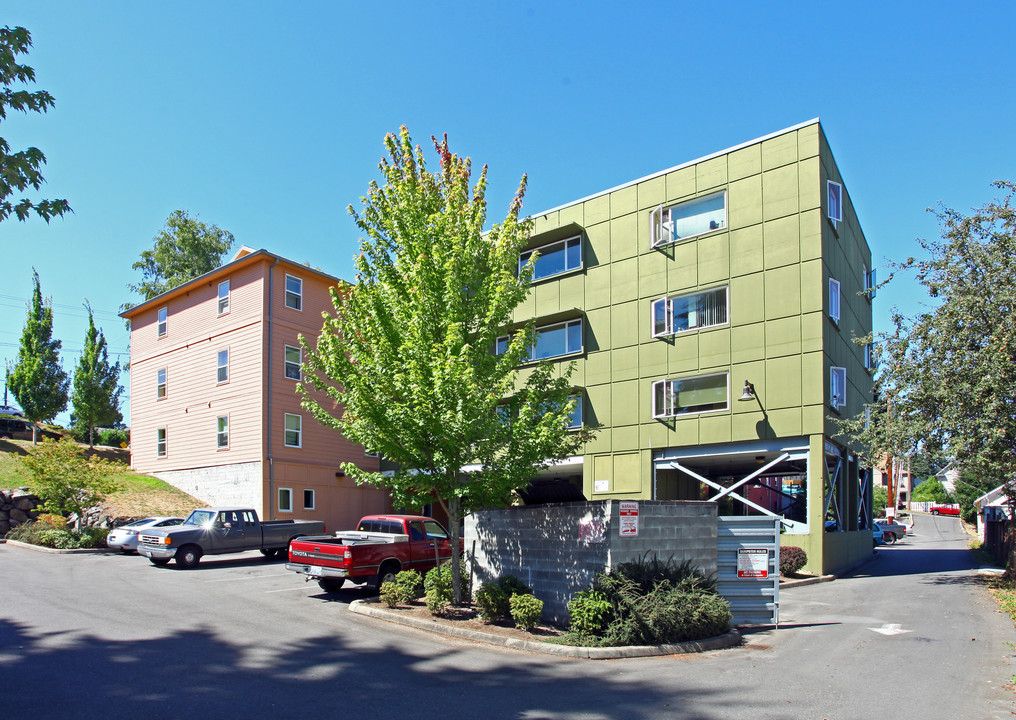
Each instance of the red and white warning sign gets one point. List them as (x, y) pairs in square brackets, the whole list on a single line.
[(753, 563), (629, 518)]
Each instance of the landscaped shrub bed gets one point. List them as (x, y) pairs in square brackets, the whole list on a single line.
[(648, 602), (792, 559), (46, 535)]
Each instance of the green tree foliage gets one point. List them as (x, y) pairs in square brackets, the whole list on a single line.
[(931, 490), (37, 379), (945, 379), (65, 480), (19, 170), (184, 249), (881, 499), (409, 352), (96, 391)]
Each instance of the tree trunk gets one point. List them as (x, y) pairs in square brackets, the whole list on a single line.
[(453, 530), (91, 437), (35, 434)]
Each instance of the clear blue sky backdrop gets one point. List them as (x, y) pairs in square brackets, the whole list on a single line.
[(267, 118)]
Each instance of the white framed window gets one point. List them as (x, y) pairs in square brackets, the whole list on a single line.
[(294, 292), (680, 313), (834, 300), (222, 432), (551, 341), (308, 499), (837, 387), (285, 499), (575, 419), (869, 356), (368, 453), (868, 281), (294, 430), (163, 321), (686, 396), (687, 219), (834, 201), (554, 258), (294, 359), (161, 443), (223, 297), (222, 367), (160, 384)]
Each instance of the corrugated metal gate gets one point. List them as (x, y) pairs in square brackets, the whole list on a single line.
[(753, 600)]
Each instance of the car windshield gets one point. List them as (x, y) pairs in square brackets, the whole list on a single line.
[(199, 517), (138, 523)]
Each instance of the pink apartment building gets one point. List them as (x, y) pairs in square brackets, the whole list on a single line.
[(214, 410)]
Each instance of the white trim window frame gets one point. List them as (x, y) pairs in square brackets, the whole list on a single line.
[(837, 387), (292, 366), (554, 258), (293, 429), (223, 301), (161, 384), (868, 281), (161, 442), (679, 222), (572, 341), (163, 322), (834, 300), (285, 505), (834, 201), (308, 499), (705, 313), (222, 366), (222, 432), (869, 356), (294, 292), (667, 395), (575, 420)]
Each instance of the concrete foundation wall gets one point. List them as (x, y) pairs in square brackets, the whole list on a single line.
[(220, 485), (557, 549)]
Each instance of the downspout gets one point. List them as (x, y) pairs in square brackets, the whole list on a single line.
[(271, 327)]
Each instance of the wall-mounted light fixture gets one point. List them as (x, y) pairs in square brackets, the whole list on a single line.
[(748, 394)]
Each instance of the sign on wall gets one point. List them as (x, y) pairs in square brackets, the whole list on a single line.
[(629, 518), (753, 563)]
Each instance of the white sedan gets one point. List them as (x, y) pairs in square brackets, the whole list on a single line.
[(125, 537)]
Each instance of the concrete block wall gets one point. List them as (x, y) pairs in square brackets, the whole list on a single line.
[(557, 549), (237, 485)]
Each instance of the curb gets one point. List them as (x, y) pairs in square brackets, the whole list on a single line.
[(828, 578), (58, 551), (727, 640)]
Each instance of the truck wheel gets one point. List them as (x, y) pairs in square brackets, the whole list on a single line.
[(267, 553), (934, 512), (331, 584), (387, 573), (159, 562), (188, 557)]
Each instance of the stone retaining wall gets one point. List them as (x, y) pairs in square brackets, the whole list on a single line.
[(16, 507)]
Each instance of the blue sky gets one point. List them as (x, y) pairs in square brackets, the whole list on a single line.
[(267, 118)]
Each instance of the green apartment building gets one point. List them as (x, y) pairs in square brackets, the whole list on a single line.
[(711, 311)]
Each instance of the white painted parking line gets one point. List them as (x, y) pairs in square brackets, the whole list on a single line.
[(298, 587), (249, 577)]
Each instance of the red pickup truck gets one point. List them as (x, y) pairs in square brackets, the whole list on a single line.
[(380, 547)]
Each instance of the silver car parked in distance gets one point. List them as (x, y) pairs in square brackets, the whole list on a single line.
[(125, 537)]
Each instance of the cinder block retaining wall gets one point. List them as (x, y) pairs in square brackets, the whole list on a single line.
[(557, 549)]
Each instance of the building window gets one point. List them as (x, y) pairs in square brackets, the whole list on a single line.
[(555, 258), (285, 499), (161, 446), (688, 219), (551, 341), (834, 300), (294, 292), (294, 358), (837, 387), (222, 432), (869, 356), (308, 499), (222, 368), (575, 419), (223, 297), (868, 281), (684, 396), (294, 430), (834, 195), (160, 383), (689, 312), (163, 324), (368, 453)]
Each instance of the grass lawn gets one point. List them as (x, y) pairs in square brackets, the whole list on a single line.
[(142, 495)]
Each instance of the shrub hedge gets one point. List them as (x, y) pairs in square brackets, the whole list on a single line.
[(792, 559)]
